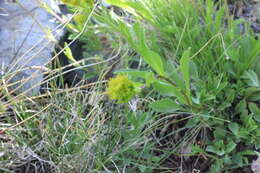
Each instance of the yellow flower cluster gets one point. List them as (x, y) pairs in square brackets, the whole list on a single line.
[(121, 89)]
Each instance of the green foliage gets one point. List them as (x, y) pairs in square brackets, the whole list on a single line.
[(198, 72), (201, 63)]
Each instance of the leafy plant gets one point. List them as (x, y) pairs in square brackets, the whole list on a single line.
[(199, 62), (200, 92)]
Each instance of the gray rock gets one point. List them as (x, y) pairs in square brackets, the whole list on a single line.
[(28, 34), (255, 167), (256, 8)]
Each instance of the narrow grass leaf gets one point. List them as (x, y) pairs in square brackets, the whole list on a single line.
[(184, 66)]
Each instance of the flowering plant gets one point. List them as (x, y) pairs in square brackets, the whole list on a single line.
[(121, 89)]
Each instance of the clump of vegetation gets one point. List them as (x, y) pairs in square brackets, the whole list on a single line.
[(201, 64), (199, 106)]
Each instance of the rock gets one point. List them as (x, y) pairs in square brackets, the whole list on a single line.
[(255, 167), (28, 34), (256, 10)]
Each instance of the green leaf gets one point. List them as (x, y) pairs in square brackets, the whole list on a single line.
[(140, 34), (230, 147), (241, 106), (254, 97), (255, 110), (243, 133), (251, 78), (192, 122), (164, 88), (147, 76), (68, 53), (135, 8), (196, 149), (215, 150), (216, 166), (165, 105), (234, 127), (220, 133), (252, 93), (193, 69), (167, 89), (238, 159), (257, 145), (184, 66), (154, 60), (150, 57)]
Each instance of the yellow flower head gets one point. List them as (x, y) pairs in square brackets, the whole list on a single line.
[(121, 88)]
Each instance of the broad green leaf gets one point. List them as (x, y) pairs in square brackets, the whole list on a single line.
[(243, 133), (216, 166), (254, 51), (255, 110), (147, 76), (257, 144), (238, 159), (165, 106), (164, 88), (241, 106), (167, 89), (234, 127), (251, 78), (249, 123), (150, 57), (254, 97), (252, 93), (172, 72), (154, 60), (220, 133), (215, 150), (230, 146)]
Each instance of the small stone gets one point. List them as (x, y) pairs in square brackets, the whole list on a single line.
[(255, 167)]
